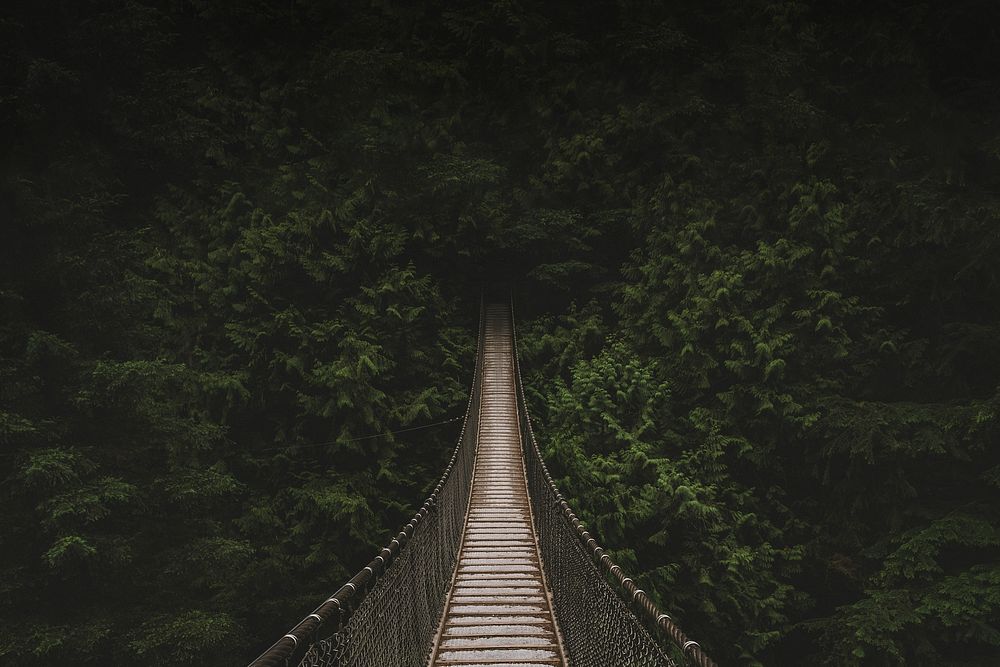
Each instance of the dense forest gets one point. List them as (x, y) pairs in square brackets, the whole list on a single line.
[(754, 247)]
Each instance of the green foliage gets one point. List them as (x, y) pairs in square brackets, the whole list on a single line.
[(754, 247), (188, 637)]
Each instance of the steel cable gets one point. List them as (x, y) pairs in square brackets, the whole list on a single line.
[(387, 614), (593, 598)]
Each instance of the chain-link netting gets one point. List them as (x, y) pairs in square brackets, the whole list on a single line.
[(387, 614), (395, 621), (598, 628), (604, 618)]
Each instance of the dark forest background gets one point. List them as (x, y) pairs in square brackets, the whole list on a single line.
[(755, 250)]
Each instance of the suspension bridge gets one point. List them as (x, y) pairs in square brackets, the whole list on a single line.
[(495, 569)]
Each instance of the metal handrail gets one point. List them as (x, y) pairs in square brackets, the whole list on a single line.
[(626, 587), (336, 609)]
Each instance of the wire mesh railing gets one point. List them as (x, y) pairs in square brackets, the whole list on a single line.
[(605, 619), (388, 613)]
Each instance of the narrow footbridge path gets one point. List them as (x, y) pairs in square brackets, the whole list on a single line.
[(498, 610), (495, 569)]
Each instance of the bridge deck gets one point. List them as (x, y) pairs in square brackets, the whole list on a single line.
[(498, 610)]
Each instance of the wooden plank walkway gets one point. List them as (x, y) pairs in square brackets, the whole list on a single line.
[(498, 611)]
